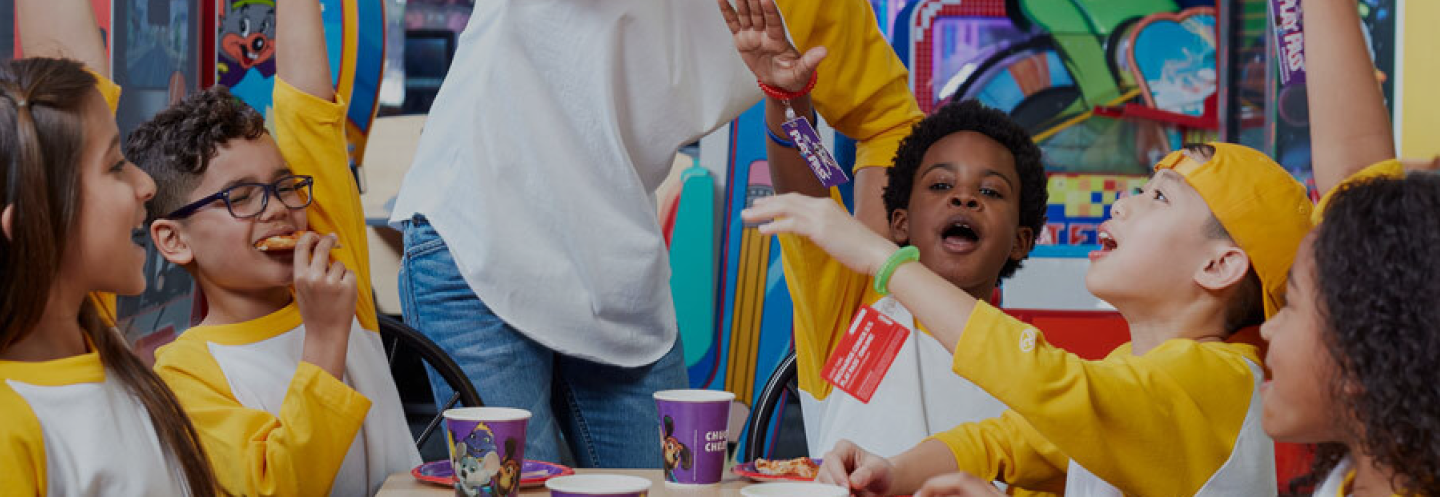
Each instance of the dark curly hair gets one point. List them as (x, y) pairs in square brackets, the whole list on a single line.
[(1378, 283), (176, 145), (971, 115)]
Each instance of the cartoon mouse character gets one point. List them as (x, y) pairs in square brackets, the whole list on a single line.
[(674, 452), (508, 478), (247, 40), (475, 462)]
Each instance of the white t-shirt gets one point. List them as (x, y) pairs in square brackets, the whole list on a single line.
[(917, 398), (94, 436), (540, 158)]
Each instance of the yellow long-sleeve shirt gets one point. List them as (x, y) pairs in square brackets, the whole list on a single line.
[(272, 424), (1182, 419), (863, 89), (917, 397)]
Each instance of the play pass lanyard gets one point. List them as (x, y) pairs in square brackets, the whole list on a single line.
[(812, 149), (865, 353)]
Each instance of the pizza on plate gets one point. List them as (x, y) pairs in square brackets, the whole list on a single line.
[(800, 467)]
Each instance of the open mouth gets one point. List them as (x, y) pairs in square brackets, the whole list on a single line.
[(959, 235), (1107, 242), (959, 232)]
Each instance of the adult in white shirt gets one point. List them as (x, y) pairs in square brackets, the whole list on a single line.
[(532, 251)]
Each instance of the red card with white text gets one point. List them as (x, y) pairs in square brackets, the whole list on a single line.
[(865, 353)]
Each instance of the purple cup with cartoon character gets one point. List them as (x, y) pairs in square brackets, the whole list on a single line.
[(693, 434), (487, 449), (598, 486)]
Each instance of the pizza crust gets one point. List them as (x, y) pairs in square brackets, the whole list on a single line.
[(800, 467), (279, 243)]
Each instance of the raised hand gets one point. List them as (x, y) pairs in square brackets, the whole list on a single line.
[(325, 292), (827, 224), (850, 466), (959, 484), (760, 38)]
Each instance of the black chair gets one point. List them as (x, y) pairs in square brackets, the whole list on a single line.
[(398, 334), (757, 428)]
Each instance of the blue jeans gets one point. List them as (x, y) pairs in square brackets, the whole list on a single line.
[(605, 412)]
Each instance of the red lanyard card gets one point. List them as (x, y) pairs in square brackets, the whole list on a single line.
[(865, 353)]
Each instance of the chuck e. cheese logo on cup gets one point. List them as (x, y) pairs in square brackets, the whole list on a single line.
[(693, 434)]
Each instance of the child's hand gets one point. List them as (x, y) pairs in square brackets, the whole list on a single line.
[(959, 484), (760, 38), (324, 290), (850, 466), (827, 224)]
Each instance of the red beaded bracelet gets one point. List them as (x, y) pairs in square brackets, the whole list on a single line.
[(780, 94)]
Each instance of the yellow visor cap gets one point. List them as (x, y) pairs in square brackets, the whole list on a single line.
[(1265, 210)]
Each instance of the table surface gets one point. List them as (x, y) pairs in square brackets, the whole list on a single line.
[(403, 485)]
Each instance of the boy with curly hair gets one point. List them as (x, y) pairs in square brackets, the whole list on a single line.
[(967, 187), (285, 379)]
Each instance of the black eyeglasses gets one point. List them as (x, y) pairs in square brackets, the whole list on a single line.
[(247, 200)]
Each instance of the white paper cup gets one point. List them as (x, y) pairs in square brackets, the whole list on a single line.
[(598, 485), (794, 489)]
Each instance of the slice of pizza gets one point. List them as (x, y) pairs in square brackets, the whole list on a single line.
[(800, 467), (279, 243)]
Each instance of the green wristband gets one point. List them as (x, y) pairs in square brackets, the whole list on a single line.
[(906, 254)]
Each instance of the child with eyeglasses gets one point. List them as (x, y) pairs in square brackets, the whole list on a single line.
[(285, 379)]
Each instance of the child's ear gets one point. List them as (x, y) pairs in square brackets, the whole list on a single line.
[(169, 242), (1225, 268), (900, 226), (1024, 242)]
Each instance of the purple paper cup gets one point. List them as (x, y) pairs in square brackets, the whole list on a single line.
[(487, 449), (693, 434), (598, 485)]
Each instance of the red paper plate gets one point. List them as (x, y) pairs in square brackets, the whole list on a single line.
[(532, 473), (748, 470)]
